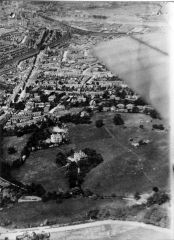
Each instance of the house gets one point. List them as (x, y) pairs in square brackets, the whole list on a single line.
[(59, 130), (129, 107), (51, 98), (120, 106), (60, 107), (113, 109), (84, 113), (135, 144), (56, 138), (77, 156), (106, 109), (140, 108)]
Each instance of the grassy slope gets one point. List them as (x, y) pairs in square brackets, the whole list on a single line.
[(113, 175), (35, 213), (40, 167), (109, 177)]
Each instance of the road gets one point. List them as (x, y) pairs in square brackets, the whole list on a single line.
[(107, 229)]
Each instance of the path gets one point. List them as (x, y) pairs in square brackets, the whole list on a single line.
[(107, 229)]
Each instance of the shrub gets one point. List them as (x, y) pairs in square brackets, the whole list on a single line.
[(158, 198), (158, 126), (93, 214), (118, 120), (87, 193), (99, 123), (11, 150)]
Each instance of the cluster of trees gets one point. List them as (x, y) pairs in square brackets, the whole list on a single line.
[(158, 126), (75, 118), (158, 198), (99, 17), (35, 141), (61, 157), (76, 171), (35, 190), (18, 105), (20, 131), (60, 196), (154, 114), (11, 150), (118, 120)]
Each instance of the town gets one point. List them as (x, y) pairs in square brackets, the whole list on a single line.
[(71, 131)]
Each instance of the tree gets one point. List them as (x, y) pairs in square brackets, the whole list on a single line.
[(100, 108), (11, 150), (99, 123), (61, 158), (140, 101), (106, 94), (135, 109), (158, 198), (118, 120), (154, 114), (72, 174), (155, 189), (158, 126), (92, 214)]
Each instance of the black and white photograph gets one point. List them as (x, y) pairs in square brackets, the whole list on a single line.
[(85, 120)]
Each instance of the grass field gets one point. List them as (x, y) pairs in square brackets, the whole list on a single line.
[(40, 167), (71, 210), (17, 142), (117, 174), (115, 147)]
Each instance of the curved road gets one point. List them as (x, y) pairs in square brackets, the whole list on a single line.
[(101, 230)]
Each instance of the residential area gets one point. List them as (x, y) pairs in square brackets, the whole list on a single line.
[(77, 143)]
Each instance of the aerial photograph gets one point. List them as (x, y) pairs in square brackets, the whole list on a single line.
[(84, 122)]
